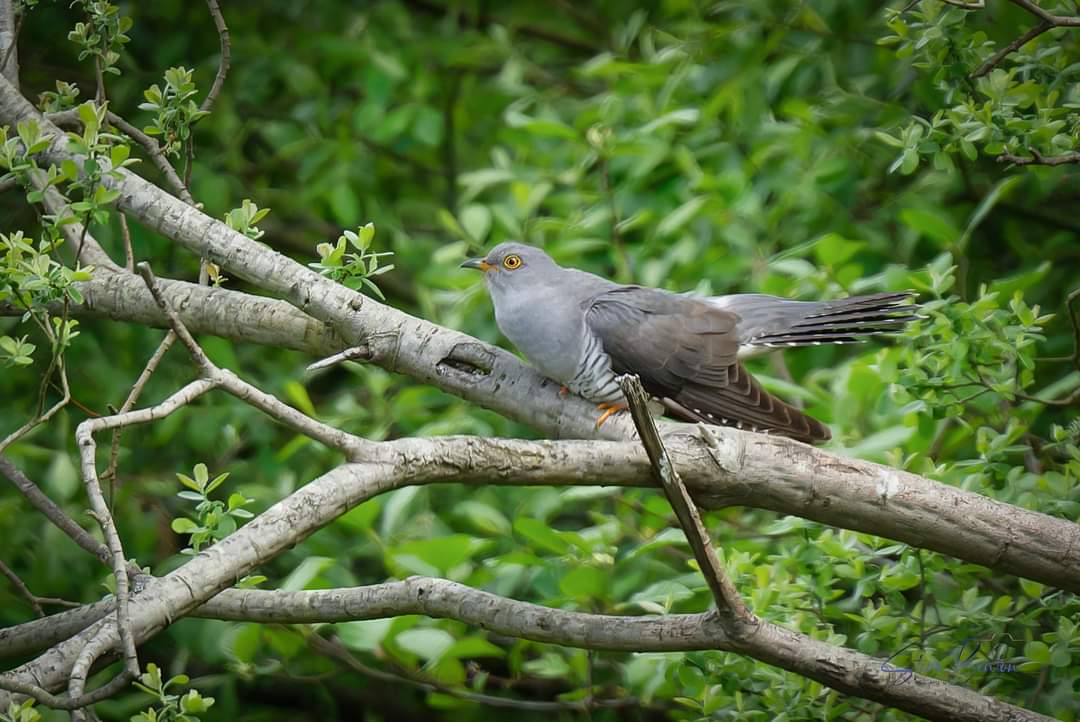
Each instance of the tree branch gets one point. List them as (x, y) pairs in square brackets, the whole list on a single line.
[(1047, 21), (10, 25), (21, 588), (1015, 45), (1038, 159), (38, 634), (223, 63), (352, 446), (421, 461), (204, 310), (338, 652), (733, 612), (52, 512), (1063, 21)]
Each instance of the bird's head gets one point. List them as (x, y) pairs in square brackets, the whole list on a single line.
[(513, 268)]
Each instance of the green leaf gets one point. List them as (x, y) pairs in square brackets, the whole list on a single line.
[(306, 573), (183, 525), (425, 643), (484, 518), (298, 395), (584, 582), (932, 223), (476, 220), (364, 636), (834, 250), (679, 217), (472, 647), (441, 553), (540, 535)]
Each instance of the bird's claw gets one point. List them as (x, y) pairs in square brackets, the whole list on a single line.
[(609, 411)]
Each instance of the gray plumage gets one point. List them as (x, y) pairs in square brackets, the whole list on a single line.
[(583, 331)]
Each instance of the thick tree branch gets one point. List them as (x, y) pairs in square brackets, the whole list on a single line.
[(483, 461), (839, 668), (204, 310), (9, 36), (38, 634)]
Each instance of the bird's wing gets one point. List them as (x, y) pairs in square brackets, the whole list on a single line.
[(685, 350)]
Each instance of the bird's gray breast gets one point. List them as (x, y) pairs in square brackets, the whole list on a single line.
[(547, 325)]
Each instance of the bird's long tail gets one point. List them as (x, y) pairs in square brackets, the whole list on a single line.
[(770, 322)]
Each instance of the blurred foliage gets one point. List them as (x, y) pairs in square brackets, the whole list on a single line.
[(802, 149)]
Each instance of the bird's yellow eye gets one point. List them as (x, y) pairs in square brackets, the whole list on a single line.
[(511, 262)]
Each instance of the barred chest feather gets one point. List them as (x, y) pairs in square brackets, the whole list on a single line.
[(594, 379)]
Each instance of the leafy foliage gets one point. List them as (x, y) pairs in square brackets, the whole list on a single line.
[(357, 268), (171, 707), (174, 109), (214, 519)]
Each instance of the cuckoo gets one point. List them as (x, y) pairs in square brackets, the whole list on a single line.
[(584, 331)]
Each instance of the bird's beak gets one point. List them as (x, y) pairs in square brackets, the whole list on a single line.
[(478, 263)]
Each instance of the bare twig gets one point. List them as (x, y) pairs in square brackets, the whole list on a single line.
[(80, 671), (992, 63), (223, 64), (1066, 401), (129, 253), (133, 396), (356, 353), (732, 609), (100, 511), (1063, 21), (52, 512), (352, 446), (39, 419), (153, 150), (1047, 21), (1074, 319), (189, 166), (99, 97), (43, 696), (1039, 159), (335, 650), (22, 589)]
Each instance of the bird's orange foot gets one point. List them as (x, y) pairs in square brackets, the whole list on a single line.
[(563, 391), (609, 411)]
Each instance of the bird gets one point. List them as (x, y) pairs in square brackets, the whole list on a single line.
[(584, 331)]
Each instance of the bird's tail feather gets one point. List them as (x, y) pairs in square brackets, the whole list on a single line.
[(775, 322)]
